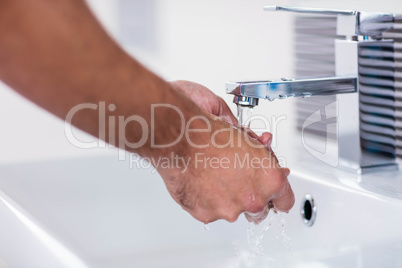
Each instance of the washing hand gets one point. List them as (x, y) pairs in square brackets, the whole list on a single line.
[(49, 58), (211, 192)]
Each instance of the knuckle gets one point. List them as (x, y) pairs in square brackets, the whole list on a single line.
[(256, 206), (229, 213), (278, 183), (291, 203), (231, 217), (286, 202), (203, 216)]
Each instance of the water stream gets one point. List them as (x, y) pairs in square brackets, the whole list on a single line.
[(244, 114), (264, 241), (261, 242)]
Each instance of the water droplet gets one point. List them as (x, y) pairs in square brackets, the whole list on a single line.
[(206, 227)]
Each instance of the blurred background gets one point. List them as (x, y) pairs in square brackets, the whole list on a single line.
[(209, 42)]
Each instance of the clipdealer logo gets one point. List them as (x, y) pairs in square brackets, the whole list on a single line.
[(112, 131), (320, 134)]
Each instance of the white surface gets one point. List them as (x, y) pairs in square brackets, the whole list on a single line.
[(104, 214)]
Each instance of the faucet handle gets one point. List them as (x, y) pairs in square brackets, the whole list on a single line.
[(289, 87), (320, 11), (350, 22)]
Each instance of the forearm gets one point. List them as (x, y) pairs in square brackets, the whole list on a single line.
[(57, 55)]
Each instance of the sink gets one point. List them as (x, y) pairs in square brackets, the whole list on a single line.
[(100, 212)]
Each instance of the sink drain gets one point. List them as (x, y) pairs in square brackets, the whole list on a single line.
[(308, 210)]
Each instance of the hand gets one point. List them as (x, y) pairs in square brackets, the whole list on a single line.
[(206, 100), (211, 191), (216, 106), (256, 218)]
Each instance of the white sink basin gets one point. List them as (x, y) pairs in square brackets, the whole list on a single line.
[(97, 212)]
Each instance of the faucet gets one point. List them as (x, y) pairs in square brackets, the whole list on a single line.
[(357, 30)]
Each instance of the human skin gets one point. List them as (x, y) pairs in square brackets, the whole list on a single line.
[(56, 54)]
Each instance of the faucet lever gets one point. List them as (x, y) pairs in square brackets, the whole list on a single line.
[(318, 11), (289, 87), (350, 22)]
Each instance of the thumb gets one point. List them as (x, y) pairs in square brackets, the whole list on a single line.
[(225, 112), (265, 139)]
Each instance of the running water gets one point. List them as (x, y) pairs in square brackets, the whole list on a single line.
[(261, 243), (286, 240), (273, 240), (255, 236), (244, 114), (265, 241)]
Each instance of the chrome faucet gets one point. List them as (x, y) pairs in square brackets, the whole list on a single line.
[(357, 31)]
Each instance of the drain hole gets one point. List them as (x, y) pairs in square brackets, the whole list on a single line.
[(308, 210)]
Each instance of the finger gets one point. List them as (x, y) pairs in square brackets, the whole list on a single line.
[(253, 138), (226, 113), (266, 139), (285, 200), (251, 133), (258, 217), (202, 215)]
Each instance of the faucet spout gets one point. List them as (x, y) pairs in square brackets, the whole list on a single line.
[(288, 87)]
